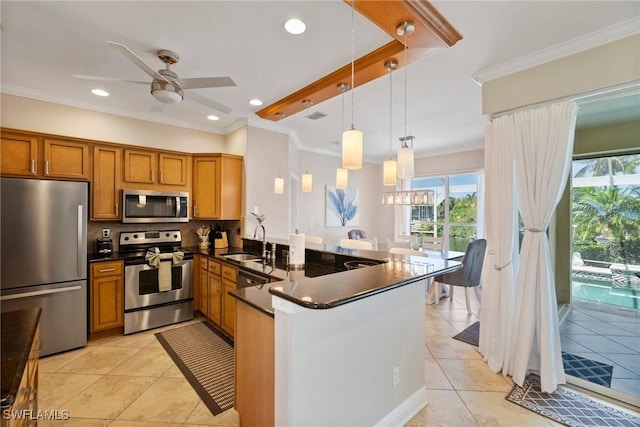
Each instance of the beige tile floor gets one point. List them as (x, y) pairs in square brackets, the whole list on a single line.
[(131, 382)]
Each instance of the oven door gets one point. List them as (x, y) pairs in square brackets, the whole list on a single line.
[(141, 285)]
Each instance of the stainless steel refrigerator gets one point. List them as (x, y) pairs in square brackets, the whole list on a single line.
[(43, 257)]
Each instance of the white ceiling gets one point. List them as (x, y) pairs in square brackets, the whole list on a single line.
[(44, 43)]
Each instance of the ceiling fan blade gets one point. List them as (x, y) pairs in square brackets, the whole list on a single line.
[(131, 56), (205, 82), (106, 79), (207, 102), (157, 106)]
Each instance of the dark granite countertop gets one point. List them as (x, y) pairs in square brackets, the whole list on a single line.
[(342, 286), (18, 330)]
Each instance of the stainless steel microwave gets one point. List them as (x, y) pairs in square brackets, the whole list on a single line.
[(144, 206)]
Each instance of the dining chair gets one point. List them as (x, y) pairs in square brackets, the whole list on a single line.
[(406, 251), (469, 275), (433, 243), (312, 239), (398, 244), (355, 244), (374, 243), (356, 234)]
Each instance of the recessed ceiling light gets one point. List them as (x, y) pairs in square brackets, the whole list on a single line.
[(295, 26), (213, 117), (99, 92), (256, 102)]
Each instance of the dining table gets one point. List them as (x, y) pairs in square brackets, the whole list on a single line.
[(445, 290)]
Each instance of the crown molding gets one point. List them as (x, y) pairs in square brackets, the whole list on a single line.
[(39, 96), (570, 47)]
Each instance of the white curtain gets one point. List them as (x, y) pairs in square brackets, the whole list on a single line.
[(543, 147), (498, 281)]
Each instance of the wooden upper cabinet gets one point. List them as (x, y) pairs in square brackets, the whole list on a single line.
[(30, 156), (156, 168), (173, 169), (217, 186), (140, 166), (107, 182), (18, 155), (66, 159)]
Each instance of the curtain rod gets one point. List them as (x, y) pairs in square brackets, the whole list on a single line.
[(629, 88)]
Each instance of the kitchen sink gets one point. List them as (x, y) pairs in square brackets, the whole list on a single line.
[(242, 257)]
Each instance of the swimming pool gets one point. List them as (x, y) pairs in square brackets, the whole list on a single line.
[(602, 292)]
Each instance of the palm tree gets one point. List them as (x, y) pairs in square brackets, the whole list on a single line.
[(610, 211)]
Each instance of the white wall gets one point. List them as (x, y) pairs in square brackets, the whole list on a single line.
[(46, 117), (335, 367), (267, 156), (447, 164), (604, 66)]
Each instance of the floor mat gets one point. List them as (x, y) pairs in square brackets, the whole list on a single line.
[(470, 335), (567, 407), (206, 360), (587, 369)]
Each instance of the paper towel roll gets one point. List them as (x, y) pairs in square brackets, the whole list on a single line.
[(296, 249)]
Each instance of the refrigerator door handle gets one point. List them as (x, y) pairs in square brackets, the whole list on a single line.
[(80, 236), (38, 293)]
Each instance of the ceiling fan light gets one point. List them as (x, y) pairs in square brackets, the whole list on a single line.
[(352, 141), (166, 92), (405, 162), (390, 172)]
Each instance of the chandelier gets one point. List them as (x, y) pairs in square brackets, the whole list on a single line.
[(408, 198)]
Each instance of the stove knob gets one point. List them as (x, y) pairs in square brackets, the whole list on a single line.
[(135, 236), (126, 239), (175, 236), (167, 234)]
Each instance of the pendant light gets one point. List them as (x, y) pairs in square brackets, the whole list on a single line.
[(405, 154), (307, 178), (390, 166), (278, 184), (352, 139), (342, 174)]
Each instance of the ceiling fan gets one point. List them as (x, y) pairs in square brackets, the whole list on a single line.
[(166, 86)]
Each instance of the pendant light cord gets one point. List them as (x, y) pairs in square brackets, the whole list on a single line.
[(390, 110), (405, 88), (353, 48)]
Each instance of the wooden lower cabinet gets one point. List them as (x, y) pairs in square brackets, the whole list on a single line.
[(107, 295), (254, 367), (214, 281), (26, 401)]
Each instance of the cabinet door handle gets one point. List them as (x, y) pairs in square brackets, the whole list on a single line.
[(117, 209), (161, 176), (152, 176), (195, 210), (106, 270), (33, 166), (46, 167)]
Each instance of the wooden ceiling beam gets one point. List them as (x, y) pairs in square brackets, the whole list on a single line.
[(432, 33)]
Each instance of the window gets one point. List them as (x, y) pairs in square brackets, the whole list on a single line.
[(454, 215)]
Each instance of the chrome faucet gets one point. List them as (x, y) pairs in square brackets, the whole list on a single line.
[(264, 239)]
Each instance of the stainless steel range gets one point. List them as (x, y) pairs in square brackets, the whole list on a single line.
[(151, 297)]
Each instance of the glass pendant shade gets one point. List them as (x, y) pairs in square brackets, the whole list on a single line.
[(352, 140), (307, 182), (390, 172), (405, 163), (278, 186), (342, 178)]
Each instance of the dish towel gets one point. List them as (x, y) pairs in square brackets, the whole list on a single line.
[(163, 263)]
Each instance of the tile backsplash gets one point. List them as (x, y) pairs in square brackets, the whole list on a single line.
[(188, 229)]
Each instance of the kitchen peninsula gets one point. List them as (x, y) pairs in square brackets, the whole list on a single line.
[(340, 349)]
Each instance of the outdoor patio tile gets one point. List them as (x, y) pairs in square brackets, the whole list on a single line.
[(627, 361), (569, 327), (631, 327), (602, 328), (618, 371), (625, 385), (568, 345), (601, 344), (632, 342)]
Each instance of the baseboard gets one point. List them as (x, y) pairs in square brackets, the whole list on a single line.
[(406, 410)]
